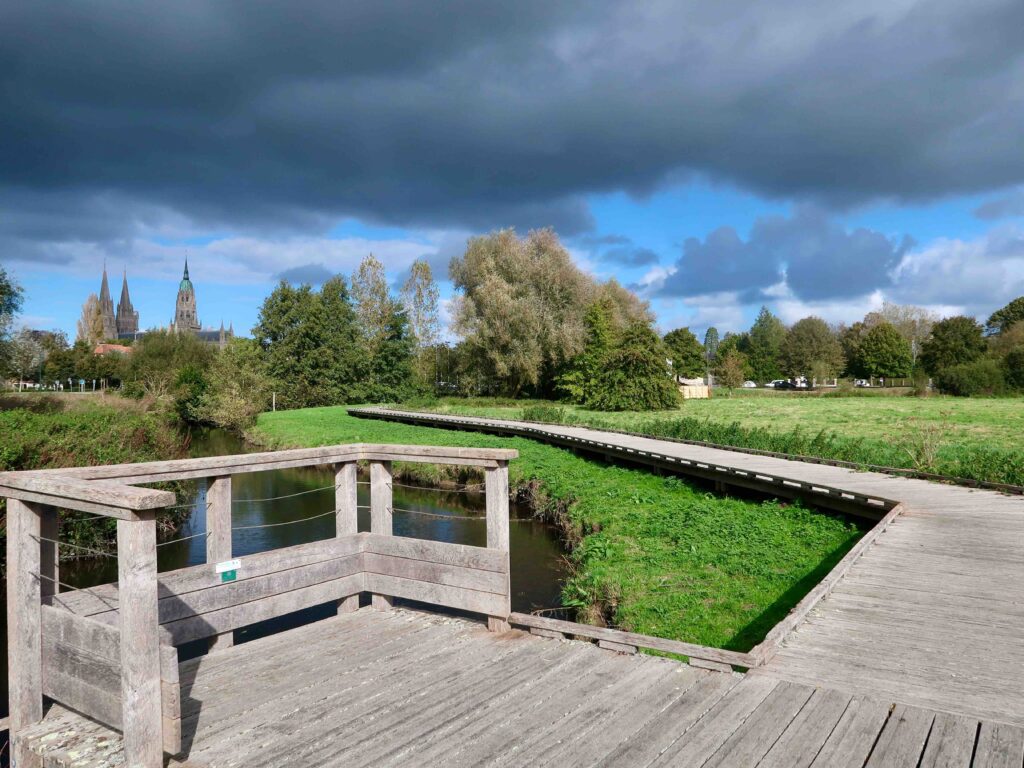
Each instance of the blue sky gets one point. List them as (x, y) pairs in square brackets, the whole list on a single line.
[(820, 160)]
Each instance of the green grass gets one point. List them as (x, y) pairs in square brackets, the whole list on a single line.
[(973, 438), (653, 554)]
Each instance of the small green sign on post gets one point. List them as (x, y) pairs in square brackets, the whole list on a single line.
[(228, 570)]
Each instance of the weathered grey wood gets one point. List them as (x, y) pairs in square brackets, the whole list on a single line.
[(496, 489), (436, 573), (380, 514), (950, 743), (804, 737), (346, 507), (443, 552), (767, 648), (140, 645), (631, 638), (547, 633), (24, 640), (218, 537), (608, 645), (902, 739), (49, 559), (438, 594), (717, 666), (121, 500), (999, 746)]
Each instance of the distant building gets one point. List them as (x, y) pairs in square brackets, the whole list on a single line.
[(124, 322)]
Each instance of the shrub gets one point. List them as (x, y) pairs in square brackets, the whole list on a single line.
[(1013, 368), (981, 377)]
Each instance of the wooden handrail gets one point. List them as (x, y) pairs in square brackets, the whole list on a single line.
[(100, 496)]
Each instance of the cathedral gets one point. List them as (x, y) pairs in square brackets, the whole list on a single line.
[(124, 323)]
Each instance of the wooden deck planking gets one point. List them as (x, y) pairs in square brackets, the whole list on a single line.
[(929, 615), (405, 688)]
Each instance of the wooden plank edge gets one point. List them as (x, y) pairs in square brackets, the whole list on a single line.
[(733, 658), (769, 646)]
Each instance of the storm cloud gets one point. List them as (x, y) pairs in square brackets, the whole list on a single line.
[(816, 257), (128, 119)]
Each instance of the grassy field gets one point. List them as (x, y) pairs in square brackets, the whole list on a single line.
[(653, 554), (974, 438)]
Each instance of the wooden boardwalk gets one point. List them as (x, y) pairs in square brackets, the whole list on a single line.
[(931, 615), (404, 688)]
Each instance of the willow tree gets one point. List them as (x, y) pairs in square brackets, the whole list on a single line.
[(420, 299), (521, 309)]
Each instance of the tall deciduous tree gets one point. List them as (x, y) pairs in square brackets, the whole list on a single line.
[(90, 323), (420, 298), (580, 382), (373, 303), (686, 353), (913, 323), (954, 341), (812, 349), (635, 375), (521, 309), (313, 348), (10, 303), (1003, 318), (885, 352), (767, 335)]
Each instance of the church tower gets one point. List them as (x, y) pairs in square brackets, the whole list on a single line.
[(127, 317), (107, 308), (186, 317)]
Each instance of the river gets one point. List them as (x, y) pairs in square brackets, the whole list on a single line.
[(537, 556)]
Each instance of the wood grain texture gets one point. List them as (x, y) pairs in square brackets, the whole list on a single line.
[(218, 537), (140, 647), (381, 514), (346, 506), (496, 489), (24, 638)]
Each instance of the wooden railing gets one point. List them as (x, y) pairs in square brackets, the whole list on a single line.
[(109, 651)]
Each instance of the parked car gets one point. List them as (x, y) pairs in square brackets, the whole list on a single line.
[(784, 384), (749, 385), (777, 384), (861, 383)]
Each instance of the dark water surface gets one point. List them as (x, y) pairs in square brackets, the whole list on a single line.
[(538, 566)]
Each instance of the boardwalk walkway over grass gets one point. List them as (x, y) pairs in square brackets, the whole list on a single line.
[(881, 665), (402, 688), (932, 612)]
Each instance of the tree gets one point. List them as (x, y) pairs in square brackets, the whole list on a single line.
[(521, 310), (90, 324), (767, 335), (1013, 368), (635, 376), (851, 339), (1003, 318), (812, 348), (391, 368), (711, 345), (11, 297), (372, 300), (314, 351), (26, 358), (580, 382), (885, 352), (731, 369), (913, 323), (420, 299), (686, 353), (954, 341), (156, 363), (238, 386)]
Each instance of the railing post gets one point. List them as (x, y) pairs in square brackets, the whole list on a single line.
[(24, 616), (346, 516), (496, 488), (218, 537), (140, 641), (49, 562), (380, 512)]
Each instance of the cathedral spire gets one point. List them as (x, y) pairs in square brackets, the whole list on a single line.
[(127, 320), (185, 276), (105, 286)]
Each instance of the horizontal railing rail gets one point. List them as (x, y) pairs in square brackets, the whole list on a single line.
[(109, 651)]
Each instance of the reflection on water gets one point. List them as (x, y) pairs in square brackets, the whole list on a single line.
[(538, 567)]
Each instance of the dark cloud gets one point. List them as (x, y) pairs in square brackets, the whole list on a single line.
[(596, 241), (1002, 207), (630, 256), (816, 256), (475, 115), (306, 274)]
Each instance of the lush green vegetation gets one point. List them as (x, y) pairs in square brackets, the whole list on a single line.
[(47, 431), (970, 438), (652, 554)]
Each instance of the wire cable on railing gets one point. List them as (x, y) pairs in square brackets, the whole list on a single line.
[(286, 496), (74, 546), (286, 522), (110, 602), (183, 538), (437, 514)]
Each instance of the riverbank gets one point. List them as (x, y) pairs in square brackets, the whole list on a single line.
[(650, 554), (969, 438), (41, 432)]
